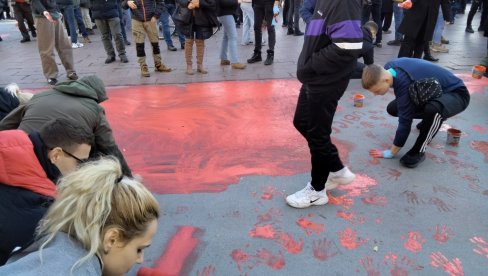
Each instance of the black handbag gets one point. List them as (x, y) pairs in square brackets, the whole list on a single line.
[(182, 15), (424, 90)]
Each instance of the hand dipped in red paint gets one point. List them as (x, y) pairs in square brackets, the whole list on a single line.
[(381, 153)]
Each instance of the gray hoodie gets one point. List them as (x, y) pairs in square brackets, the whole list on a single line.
[(58, 258)]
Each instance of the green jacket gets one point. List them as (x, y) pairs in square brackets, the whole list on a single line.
[(78, 100)]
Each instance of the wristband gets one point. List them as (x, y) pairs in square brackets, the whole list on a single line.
[(388, 154)]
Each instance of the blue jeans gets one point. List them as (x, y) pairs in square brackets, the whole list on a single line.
[(229, 39), (439, 27), (69, 15), (79, 20), (164, 19), (398, 14)]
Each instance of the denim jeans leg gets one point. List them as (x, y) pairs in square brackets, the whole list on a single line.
[(69, 14), (439, 27), (229, 41), (248, 22), (398, 14), (164, 19), (79, 20)]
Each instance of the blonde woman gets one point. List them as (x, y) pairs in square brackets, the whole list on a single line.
[(100, 224)]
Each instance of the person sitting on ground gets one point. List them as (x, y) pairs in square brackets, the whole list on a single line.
[(31, 165), (370, 29), (99, 224), (78, 100), (11, 97), (407, 76)]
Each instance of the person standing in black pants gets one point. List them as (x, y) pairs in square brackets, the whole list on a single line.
[(294, 18), (373, 8), (23, 12), (475, 5), (264, 10)]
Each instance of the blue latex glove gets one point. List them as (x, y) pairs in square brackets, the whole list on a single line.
[(387, 154), (273, 22), (276, 10)]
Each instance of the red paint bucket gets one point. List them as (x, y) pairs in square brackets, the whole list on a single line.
[(453, 137), (478, 71), (358, 100)]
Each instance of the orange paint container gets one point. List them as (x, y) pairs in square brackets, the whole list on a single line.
[(358, 100), (453, 136), (478, 71)]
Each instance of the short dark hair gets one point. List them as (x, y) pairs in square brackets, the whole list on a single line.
[(371, 26), (371, 75), (65, 133)]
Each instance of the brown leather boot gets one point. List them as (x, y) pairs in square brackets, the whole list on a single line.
[(189, 56), (144, 70), (159, 67), (200, 52)]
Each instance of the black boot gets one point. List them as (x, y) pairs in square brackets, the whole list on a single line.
[(269, 57), (290, 31), (255, 57), (469, 29), (298, 32), (427, 55)]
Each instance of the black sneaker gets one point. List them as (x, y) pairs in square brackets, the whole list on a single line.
[(72, 76), (410, 160), (394, 42), (269, 57), (123, 59), (290, 31), (34, 34), (469, 29), (255, 58), (25, 40), (52, 81), (298, 33), (171, 48), (419, 125), (109, 59)]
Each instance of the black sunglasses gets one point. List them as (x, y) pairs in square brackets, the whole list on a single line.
[(80, 161)]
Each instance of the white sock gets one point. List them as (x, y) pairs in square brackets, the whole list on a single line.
[(340, 173)]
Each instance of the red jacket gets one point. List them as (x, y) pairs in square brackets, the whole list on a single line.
[(19, 166)]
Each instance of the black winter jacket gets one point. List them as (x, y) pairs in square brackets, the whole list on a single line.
[(7, 103), (204, 17), (104, 9), (146, 9), (40, 6), (226, 7)]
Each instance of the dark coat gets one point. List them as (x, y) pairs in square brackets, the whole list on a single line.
[(423, 16), (104, 9), (7, 103), (145, 9), (387, 6), (204, 19), (367, 53), (226, 7)]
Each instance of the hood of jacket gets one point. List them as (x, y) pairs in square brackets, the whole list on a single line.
[(89, 87)]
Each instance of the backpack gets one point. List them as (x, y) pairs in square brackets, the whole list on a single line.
[(424, 90)]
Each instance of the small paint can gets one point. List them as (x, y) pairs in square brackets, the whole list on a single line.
[(358, 100), (478, 71), (453, 137)]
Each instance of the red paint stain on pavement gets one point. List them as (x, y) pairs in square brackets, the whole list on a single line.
[(375, 200), (371, 268), (450, 153), (349, 239), (481, 246), (442, 233), (207, 271), (378, 220), (309, 227), (268, 193), (240, 257), (401, 266), (474, 86), (481, 147), (176, 255), (359, 186), (414, 242), (264, 232), (345, 215), (202, 137), (343, 201), (480, 129), (394, 174), (271, 215), (266, 257), (453, 268), (323, 249), (289, 244), (485, 193)]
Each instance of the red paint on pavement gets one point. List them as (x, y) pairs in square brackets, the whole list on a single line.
[(343, 201), (480, 129), (474, 86), (323, 249), (309, 226), (442, 234), (349, 239), (359, 186), (371, 268), (240, 257), (202, 137), (451, 153), (481, 246), (453, 268), (375, 200), (207, 271), (414, 242), (264, 232), (270, 216), (266, 257), (289, 244), (176, 255), (268, 193), (401, 266), (481, 147), (345, 215)]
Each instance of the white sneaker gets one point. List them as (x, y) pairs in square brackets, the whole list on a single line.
[(342, 177), (307, 197), (76, 45)]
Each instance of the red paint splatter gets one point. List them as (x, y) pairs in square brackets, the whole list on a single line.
[(349, 239), (414, 242), (401, 266), (394, 174), (485, 193), (276, 262), (239, 257), (323, 250), (289, 244), (375, 200), (264, 232), (453, 268), (388, 126), (378, 220), (481, 147), (176, 255), (309, 226), (359, 186), (271, 215), (207, 271), (450, 153), (187, 151), (482, 246), (345, 215), (371, 268), (474, 85), (442, 233), (435, 158), (268, 193), (367, 124), (480, 129), (374, 161), (343, 201)]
